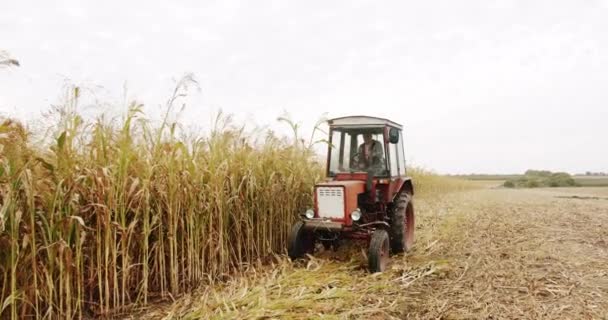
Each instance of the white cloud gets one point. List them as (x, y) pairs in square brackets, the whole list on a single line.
[(74, 12)]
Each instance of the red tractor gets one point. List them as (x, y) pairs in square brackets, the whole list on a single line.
[(367, 194)]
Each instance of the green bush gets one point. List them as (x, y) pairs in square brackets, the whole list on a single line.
[(541, 178), (561, 179), (532, 183)]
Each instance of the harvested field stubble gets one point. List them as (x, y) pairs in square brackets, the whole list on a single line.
[(318, 288), (523, 255)]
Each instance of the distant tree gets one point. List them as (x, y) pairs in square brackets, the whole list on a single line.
[(538, 173), (541, 179), (532, 183)]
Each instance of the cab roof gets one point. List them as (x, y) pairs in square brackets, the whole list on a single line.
[(362, 122)]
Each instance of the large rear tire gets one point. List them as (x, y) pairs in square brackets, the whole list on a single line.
[(301, 242), (379, 250), (402, 224)]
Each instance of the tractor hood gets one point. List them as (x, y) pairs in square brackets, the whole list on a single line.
[(337, 199), (356, 176), (350, 184)]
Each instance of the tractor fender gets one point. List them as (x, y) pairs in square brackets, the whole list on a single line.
[(406, 186)]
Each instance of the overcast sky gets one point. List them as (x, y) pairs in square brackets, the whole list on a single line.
[(480, 86)]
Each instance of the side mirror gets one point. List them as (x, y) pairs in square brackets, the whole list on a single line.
[(393, 135)]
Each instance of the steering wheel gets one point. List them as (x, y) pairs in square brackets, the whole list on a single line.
[(356, 161)]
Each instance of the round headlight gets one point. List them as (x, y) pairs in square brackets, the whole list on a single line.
[(310, 214), (356, 215)]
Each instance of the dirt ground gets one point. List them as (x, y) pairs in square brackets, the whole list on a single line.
[(490, 253), (513, 254)]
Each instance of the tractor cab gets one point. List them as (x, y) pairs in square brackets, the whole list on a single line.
[(367, 194), (365, 144)]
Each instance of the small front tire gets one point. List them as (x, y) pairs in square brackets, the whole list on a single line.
[(379, 250), (301, 242)]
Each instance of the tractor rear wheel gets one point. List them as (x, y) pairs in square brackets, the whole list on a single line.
[(301, 242), (379, 250), (402, 224)]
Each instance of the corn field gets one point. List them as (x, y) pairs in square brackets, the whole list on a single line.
[(106, 214), (114, 213)]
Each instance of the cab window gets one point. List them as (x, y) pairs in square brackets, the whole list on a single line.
[(350, 153)]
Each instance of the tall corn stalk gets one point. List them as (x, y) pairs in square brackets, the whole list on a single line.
[(114, 212)]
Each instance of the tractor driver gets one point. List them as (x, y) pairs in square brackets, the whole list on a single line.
[(370, 153)]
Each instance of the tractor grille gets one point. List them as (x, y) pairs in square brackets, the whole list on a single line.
[(330, 202)]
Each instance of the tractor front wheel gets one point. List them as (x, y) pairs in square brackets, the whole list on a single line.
[(379, 250), (301, 242)]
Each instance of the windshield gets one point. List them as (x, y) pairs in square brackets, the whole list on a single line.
[(357, 150)]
